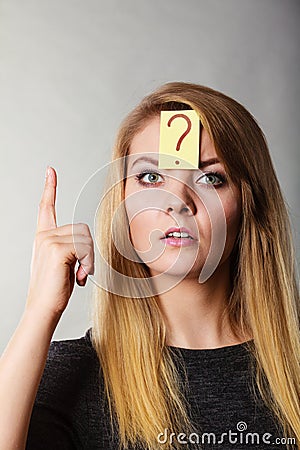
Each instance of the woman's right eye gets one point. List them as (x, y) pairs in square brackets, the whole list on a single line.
[(152, 178)]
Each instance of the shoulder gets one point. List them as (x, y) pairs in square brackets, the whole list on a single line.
[(77, 352), (72, 366), (67, 395), (78, 348)]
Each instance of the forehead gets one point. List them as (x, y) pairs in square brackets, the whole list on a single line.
[(147, 141)]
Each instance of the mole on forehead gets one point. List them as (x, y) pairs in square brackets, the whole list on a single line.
[(154, 161)]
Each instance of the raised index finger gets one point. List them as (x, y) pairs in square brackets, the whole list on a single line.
[(47, 216)]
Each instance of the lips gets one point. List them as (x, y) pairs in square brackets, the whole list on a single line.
[(179, 230)]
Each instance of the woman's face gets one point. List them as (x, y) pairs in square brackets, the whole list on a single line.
[(195, 199)]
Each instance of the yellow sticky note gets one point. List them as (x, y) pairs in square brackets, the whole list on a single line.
[(179, 140)]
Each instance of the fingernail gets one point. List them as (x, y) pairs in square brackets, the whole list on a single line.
[(81, 282), (48, 171)]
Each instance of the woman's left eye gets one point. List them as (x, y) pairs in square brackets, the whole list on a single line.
[(152, 178), (211, 177)]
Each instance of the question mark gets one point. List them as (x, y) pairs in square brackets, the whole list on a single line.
[(189, 126)]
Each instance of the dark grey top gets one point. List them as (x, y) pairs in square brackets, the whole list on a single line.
[(71, 411)]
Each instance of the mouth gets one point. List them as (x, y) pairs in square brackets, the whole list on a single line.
[(181, 233)]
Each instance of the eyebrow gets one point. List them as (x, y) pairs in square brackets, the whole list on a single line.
[(154, 161), (208, 162), (147, 159)]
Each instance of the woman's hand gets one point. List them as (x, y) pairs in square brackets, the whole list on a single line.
[(55, 253)]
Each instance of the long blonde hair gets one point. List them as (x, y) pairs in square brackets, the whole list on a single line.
[(129, 334)]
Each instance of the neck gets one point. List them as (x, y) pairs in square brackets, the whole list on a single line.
[(195, 314)]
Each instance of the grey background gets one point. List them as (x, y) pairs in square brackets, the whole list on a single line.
[(71, 70)]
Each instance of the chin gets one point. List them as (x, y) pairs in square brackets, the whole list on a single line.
[(180, 269)]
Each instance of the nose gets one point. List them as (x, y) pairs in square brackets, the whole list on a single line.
[(181, 203)]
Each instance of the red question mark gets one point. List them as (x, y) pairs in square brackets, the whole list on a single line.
[(189, 126)]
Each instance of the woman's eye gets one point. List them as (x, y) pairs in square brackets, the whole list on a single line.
[(148, 178), (213, 178)]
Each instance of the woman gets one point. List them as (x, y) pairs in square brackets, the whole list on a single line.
[(171, 361)]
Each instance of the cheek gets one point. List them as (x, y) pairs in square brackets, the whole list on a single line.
[(144, 216), (142, 230), (232, 209)]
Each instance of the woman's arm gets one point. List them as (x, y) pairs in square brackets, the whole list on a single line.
[(21, 368), (55, 252)]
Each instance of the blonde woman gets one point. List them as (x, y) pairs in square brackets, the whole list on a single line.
[(177, 357)]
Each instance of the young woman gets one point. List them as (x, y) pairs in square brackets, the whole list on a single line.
[(172, 360)]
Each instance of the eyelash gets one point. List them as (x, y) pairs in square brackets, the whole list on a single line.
[(139, 177)]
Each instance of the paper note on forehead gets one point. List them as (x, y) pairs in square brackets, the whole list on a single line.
[(179, 140)]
